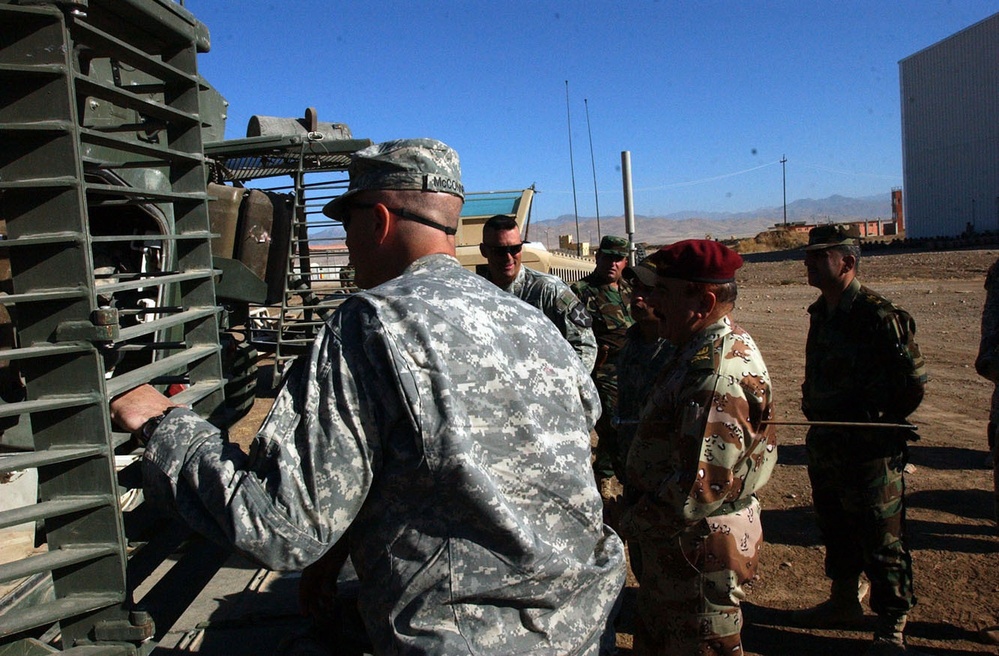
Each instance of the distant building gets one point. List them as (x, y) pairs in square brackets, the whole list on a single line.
[(568, 244), (873, 228), (897, 212), (794, 226), (950, 134)]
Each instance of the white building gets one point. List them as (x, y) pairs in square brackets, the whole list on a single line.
[(950, 133)]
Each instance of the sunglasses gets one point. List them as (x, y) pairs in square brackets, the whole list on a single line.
[(398, 211), (504, 250)]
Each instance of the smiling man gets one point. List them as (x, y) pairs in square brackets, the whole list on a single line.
[(503, 248), (439, 419)]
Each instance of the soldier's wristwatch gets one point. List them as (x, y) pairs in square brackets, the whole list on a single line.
[(153, 423)]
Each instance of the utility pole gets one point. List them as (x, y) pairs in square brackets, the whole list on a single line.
[(629, 212), (572, 169), (593, 164), (783, 175)]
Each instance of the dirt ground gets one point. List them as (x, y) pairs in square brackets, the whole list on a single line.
[(952, 535)]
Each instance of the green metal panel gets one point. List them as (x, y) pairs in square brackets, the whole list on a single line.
[(103, 210)]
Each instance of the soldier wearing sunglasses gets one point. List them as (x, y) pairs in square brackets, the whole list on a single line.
[(435, 430), (501, 246)]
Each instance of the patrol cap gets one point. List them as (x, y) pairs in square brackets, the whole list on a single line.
[(644, 272), (697, 260), (616, 246), (405, 164), (829, 236)]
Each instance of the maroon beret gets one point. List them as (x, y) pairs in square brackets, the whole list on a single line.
[(697, 260)]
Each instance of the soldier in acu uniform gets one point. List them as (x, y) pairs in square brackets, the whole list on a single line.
[(607, 298), (437, 417), (862, 364), (700, 454), (502, 247)]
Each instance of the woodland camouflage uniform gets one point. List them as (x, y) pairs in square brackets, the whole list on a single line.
[(609, 308), (862, 364), (638, 366)]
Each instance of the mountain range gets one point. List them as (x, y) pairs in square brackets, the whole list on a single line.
[(719, 225)]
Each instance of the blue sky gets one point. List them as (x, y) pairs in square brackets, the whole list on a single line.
[(707, 96)]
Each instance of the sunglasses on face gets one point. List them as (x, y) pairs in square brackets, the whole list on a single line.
[(398, 211), (504, 250)]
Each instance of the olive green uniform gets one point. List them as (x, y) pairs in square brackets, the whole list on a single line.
[(862, 364), (608, 305)]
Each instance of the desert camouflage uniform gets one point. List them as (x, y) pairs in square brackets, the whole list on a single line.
[(987, 365), (447, 425), (609, 308), (699, 457), (862, 364), (553, 297)]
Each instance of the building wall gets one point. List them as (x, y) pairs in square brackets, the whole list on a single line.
[(897, 213), (868, 228), (950, 133)]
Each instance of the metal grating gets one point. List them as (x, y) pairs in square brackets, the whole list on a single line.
[(315, 273), (106, 269)]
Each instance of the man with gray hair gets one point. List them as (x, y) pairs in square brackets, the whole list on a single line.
[(441, 421)]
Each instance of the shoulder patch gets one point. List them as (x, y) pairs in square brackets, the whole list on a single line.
[(876, 303), (578, 315)]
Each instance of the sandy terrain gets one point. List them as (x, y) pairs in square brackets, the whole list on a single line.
[(950, 504)]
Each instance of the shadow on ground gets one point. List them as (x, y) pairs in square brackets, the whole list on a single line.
[(947, 457)]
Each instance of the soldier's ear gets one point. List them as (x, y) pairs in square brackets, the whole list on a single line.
[(849, 263), (708, 303), (384, 222)]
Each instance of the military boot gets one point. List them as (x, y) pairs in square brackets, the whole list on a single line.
[(842, 610), (888, 637)]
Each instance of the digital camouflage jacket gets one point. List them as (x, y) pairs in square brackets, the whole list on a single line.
[(553, 297), (447, 425)]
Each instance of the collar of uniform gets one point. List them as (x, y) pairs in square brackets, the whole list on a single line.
[(703, 339), (428, 261), (845, 301), (518, 281)]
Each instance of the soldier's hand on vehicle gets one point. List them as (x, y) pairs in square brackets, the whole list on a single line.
[(131, 410)]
